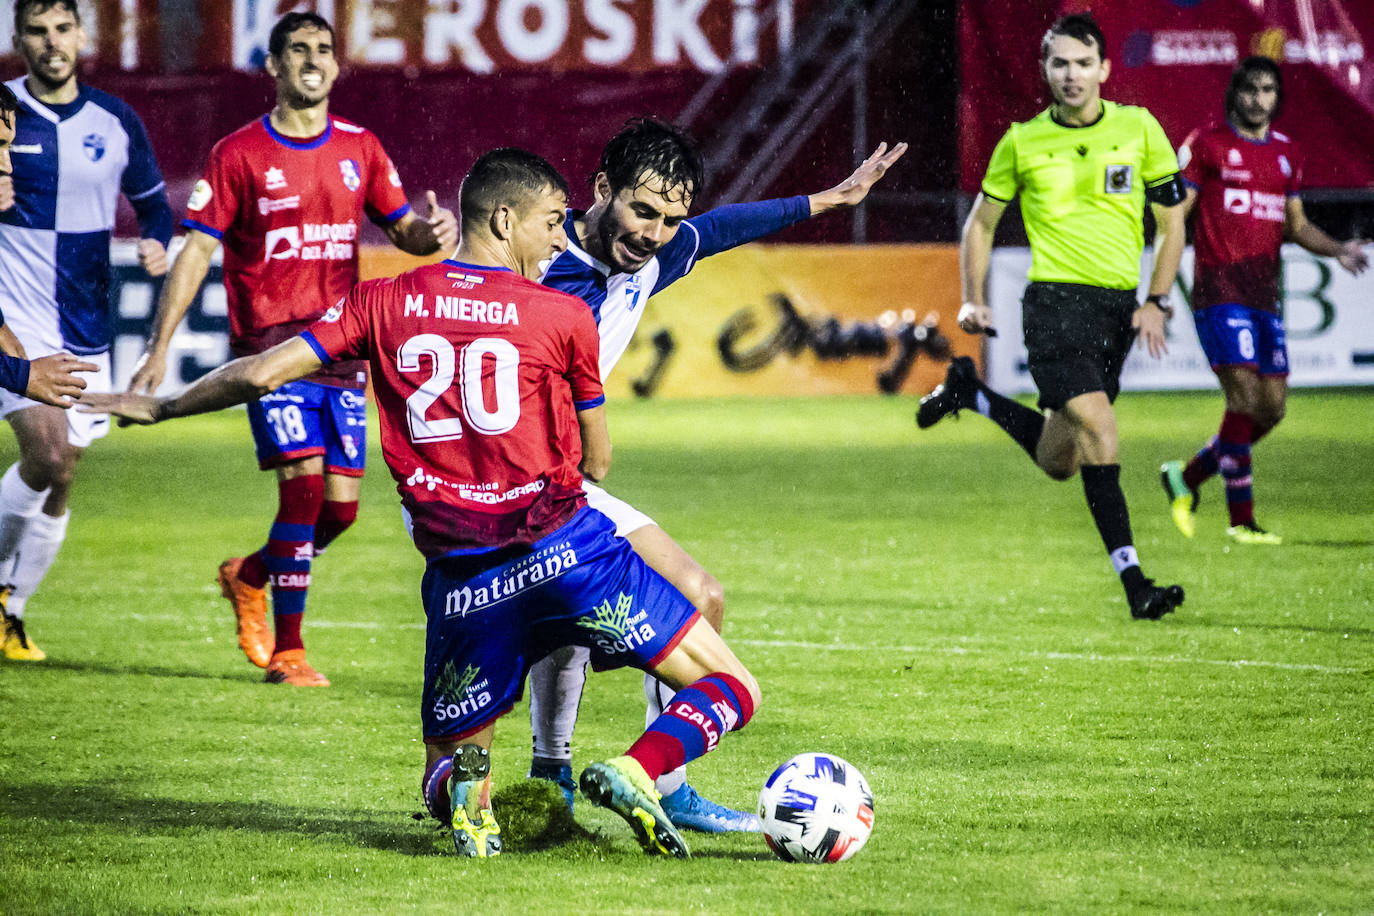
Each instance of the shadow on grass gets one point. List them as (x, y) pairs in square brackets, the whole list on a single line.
[(98, 805), (98, 667), (1341, 545)]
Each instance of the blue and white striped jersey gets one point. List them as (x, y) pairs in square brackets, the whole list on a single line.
[(71, 162), (617, 299)]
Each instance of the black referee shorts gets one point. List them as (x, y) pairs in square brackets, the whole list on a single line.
[(1077, 338)]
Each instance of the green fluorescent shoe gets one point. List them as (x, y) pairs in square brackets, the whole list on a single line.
[(475, 831), (622, 785), (1182, 499), (1250, 533)]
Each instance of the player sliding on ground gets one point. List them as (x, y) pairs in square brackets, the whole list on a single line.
[(489, 392)]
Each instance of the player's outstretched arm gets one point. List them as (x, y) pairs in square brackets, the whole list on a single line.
[(236, 382), (855, 188), (54, 379), (596, 443), (1297, 228), (437, 232), (975, 257), (187, 274)]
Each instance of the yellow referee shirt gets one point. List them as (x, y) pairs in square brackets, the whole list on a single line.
[(1083, 191)]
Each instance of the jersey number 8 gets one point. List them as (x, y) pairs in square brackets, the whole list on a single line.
[(466, 364)]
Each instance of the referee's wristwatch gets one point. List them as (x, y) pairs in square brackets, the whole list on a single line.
[(1161, 302)]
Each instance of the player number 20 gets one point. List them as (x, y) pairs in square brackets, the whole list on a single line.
[(446, 363)]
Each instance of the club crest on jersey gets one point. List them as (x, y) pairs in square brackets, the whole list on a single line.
[(1233, 157), (1285, 166), (334, 314), (352, 179), (633, 289), (94, 145), (275, 179), (200, 196), (1118, 179)]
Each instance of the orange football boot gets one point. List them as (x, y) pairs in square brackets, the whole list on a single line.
[(250, 611), (290, 667)]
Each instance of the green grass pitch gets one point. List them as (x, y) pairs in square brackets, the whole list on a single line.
[(926, 605)]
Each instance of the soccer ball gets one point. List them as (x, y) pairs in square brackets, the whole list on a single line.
[(816, 808)]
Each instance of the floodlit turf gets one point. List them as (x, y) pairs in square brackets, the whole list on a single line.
[(926, 605)]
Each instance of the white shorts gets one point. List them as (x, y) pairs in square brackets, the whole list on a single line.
[(82, 428), (626, 517)]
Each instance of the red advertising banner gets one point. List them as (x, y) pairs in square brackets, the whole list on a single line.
[(1174, 57)]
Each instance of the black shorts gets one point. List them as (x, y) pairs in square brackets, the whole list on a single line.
[(1077, 338)]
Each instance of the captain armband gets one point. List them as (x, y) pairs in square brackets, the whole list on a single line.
[(1167, 192)]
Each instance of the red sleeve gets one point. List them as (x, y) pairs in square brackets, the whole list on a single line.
[(1294, 171), (584, 363), (386, 199), (342, 332), (1190, 156), (214, 202)]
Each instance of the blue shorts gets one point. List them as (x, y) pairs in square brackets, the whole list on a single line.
[(1236, 335), (303, 419), (490, 617)]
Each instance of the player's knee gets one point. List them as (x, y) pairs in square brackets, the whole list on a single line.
[(48, 465), (1269, 415), (710, 601), (748, 703)]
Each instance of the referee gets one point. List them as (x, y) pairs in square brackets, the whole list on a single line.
[(1083, 169)]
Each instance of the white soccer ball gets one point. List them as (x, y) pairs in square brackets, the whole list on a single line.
[(816, 808)]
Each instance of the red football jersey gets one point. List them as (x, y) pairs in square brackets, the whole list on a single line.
[(1243, 188), (288, 212), (478, 374)]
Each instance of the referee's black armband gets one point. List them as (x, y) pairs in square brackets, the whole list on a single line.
[(14, 373), (1167, 192)]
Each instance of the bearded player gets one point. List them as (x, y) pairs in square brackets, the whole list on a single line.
[(285, 195), (1243, 182), (635, 240)]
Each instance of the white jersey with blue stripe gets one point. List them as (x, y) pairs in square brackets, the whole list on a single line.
[(70, 164), (617, 299)]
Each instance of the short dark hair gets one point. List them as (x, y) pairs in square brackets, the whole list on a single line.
[(1081, 26), (650, 145), (9, 104), (276, 42), (508, 175), (1248, 68), (22, 8)]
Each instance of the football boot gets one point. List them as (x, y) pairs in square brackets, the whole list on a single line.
[(621, 785), (689, 811), (1250, 533), (958, 392), (290, 667), (475, 831), (1183, 499), (1151, 602), (250, 612)]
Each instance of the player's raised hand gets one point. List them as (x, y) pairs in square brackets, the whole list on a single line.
[(130, 408), (6, 192), (1148, 324), (854, 189), (54, 380), (152, 257), (443, 223), (1352, 256)]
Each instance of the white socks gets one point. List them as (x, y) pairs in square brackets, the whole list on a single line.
[(18, 506), (556, 683), (37, 550)]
